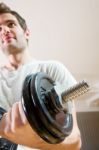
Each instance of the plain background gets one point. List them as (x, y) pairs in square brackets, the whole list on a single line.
[(64, 30)]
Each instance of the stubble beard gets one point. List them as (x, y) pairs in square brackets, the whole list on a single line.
[(15, 47)]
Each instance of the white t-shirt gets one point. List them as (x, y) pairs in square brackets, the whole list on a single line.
[(11, 82)]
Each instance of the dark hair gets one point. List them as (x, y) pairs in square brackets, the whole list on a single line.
[(5, 9)]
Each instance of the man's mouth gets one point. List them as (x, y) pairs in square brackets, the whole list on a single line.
[(8, 39)]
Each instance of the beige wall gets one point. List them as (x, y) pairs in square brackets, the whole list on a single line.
[(66, 30)]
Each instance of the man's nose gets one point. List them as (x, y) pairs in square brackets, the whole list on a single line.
[(5, 30)]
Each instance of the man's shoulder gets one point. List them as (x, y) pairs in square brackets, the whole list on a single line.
[(49, 64), (54, 68)]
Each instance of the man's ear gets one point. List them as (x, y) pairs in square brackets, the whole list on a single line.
[(27, 34)]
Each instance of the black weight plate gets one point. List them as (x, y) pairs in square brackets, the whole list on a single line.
[(52, 124), (31, 112)]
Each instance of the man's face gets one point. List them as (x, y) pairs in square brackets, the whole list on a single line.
[(13, 39)]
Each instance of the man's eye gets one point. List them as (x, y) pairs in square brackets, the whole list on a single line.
[(11, 24)]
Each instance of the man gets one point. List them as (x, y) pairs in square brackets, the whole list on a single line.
[(14, 36)]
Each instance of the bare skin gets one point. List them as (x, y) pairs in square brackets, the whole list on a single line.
[(14, 122)]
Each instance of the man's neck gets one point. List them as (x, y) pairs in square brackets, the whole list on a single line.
[(19, 59)]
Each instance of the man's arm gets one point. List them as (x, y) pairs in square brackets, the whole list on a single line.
[(15, 127)]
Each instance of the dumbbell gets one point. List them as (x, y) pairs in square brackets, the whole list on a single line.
[(48, 111)]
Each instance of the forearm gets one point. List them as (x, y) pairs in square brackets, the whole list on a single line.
[(73, 142), (14, 127)]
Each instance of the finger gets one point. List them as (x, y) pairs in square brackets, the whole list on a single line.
[(5, 124), (22, 114), (16, 118)]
